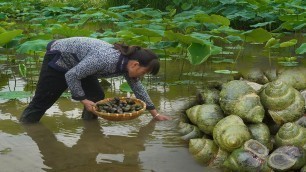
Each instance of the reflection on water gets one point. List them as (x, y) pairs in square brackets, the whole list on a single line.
[(145, 145), (89, 148)]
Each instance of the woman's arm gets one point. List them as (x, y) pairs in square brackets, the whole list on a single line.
[(141, 93)]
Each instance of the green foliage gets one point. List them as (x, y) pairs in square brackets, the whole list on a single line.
[(183, 39), (124, 87), (271, 42), (66, 31), (22, 70), (147, 32), (257, 35), (198, 53), (31, 47), (8, 36), (301, 49), (288, 43), (137, 4)]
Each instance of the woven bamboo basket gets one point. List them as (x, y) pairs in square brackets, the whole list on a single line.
[(120, 117)]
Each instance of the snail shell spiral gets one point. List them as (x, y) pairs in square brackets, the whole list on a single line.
[(291, 134), (283, 102), (230, 133)]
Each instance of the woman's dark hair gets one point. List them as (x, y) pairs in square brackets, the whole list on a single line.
[(145, 57)]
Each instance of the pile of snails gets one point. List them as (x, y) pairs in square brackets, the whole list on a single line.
[(120, 106), (239, 128)]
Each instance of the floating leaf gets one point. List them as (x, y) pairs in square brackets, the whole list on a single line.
[(15, 94), (289, 64), (184, 82), (198, 53), (288, 43), (301, 49), (227, 52), (226, 71), (262, 24), (222, 60), (195, 74)]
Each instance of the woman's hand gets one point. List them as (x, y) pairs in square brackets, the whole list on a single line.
[(162, 117), (158, 116), (88, 104)]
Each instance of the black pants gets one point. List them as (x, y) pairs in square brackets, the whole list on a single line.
[(50, 86)]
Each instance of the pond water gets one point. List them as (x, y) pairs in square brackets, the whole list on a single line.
[(62, 141)]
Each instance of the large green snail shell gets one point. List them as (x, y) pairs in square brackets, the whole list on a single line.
[(291, 134), (230, 133), (244, 161), (255, 75), (205, 151), (205, 116), (250, 157), (189, 131), (283, 102), (287, 158), (202, 149), (238, 98), (261, 133), (218, 159), (296, 77), (208, 96)]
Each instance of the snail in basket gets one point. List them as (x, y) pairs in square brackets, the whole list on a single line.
[(117, 105)]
